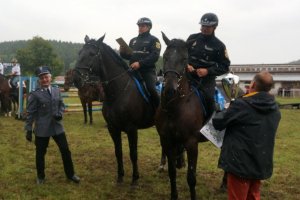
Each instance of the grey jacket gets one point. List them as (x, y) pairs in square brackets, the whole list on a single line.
[(44, 112)]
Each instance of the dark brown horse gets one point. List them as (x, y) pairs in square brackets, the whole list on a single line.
[(180, 115), (88, 90), (124, 108), (5, 97)]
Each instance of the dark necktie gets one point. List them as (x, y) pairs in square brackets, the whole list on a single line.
[(48, 91)]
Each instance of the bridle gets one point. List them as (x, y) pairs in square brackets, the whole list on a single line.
[(180, 91), (99, 56)]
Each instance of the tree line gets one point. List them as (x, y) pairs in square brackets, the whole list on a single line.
[(58, 55)]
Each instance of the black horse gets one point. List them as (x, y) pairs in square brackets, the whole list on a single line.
[(89, 89), (124, 108), (180, 115)]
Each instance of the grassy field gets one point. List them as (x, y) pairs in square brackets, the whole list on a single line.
[(94, 160)]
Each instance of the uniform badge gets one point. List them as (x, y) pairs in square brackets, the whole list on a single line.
[(157, 45), (194, 44)]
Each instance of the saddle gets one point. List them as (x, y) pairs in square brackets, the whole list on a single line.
[(219, 99), (141, 85)]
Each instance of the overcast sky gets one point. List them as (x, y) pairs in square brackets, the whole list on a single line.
[(254, 31)]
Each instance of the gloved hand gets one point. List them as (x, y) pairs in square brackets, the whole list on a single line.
[(29, 136), (58, 117)]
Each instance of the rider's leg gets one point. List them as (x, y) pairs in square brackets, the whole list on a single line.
[(150, 80)]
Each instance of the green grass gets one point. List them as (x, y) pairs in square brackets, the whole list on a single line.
[(94, 160), (283, 100)]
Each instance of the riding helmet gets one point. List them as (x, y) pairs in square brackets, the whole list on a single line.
[(209, 19), (144, 20)]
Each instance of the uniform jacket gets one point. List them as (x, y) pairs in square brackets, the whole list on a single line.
[(251, 123), (42, 109), (208, 52), (146, 50), (16, 69)]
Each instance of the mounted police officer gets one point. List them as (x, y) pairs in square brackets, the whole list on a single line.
[(146, 50), (1, 67), (44, 114), (207, 58), (15, 72)]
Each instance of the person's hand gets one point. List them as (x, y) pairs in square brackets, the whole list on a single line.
[(58, 117), (29, 136), (135, 65), (190, 68), (201, 72)]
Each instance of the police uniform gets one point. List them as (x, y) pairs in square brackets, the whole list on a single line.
[(146, 50), (16, 73), (1, 68), (210, 53), (44, 113)]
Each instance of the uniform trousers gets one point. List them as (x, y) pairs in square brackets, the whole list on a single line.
[(41, 144), (242, 189), (150, 80)]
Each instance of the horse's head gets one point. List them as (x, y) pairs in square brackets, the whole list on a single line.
[(68, 80), (175, 60), (89, 57)]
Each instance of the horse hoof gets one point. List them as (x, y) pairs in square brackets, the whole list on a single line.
[(120, 180), (134, 183)]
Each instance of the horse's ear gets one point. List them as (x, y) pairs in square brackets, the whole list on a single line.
[(86, 39), (101, 39), (166, 39)]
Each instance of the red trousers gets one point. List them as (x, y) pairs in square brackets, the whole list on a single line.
[(242, 189)]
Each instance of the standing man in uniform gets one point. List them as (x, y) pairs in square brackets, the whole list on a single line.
[(146, 50), (247, 152), (207, 59), (45, 109)]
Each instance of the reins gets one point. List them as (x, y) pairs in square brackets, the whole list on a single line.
[(179, 89), (106, 82)]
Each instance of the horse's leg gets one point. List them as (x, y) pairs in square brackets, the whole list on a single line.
[(116, 137), (192, 154), (132, 141), (171, 155), (90, 108), (180, 161), (163, 161), (83, 104)]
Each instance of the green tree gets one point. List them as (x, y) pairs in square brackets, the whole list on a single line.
[(39, 52)]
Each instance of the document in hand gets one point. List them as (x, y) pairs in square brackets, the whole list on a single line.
[(213, 135), (122, 43)]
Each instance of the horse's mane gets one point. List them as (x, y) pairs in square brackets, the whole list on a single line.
[(111, 52), (115, 56)]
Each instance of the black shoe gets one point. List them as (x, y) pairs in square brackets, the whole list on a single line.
[(40, 181), (74, 179)]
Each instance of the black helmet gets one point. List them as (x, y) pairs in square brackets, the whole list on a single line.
[(144, 20), (209, 19)]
